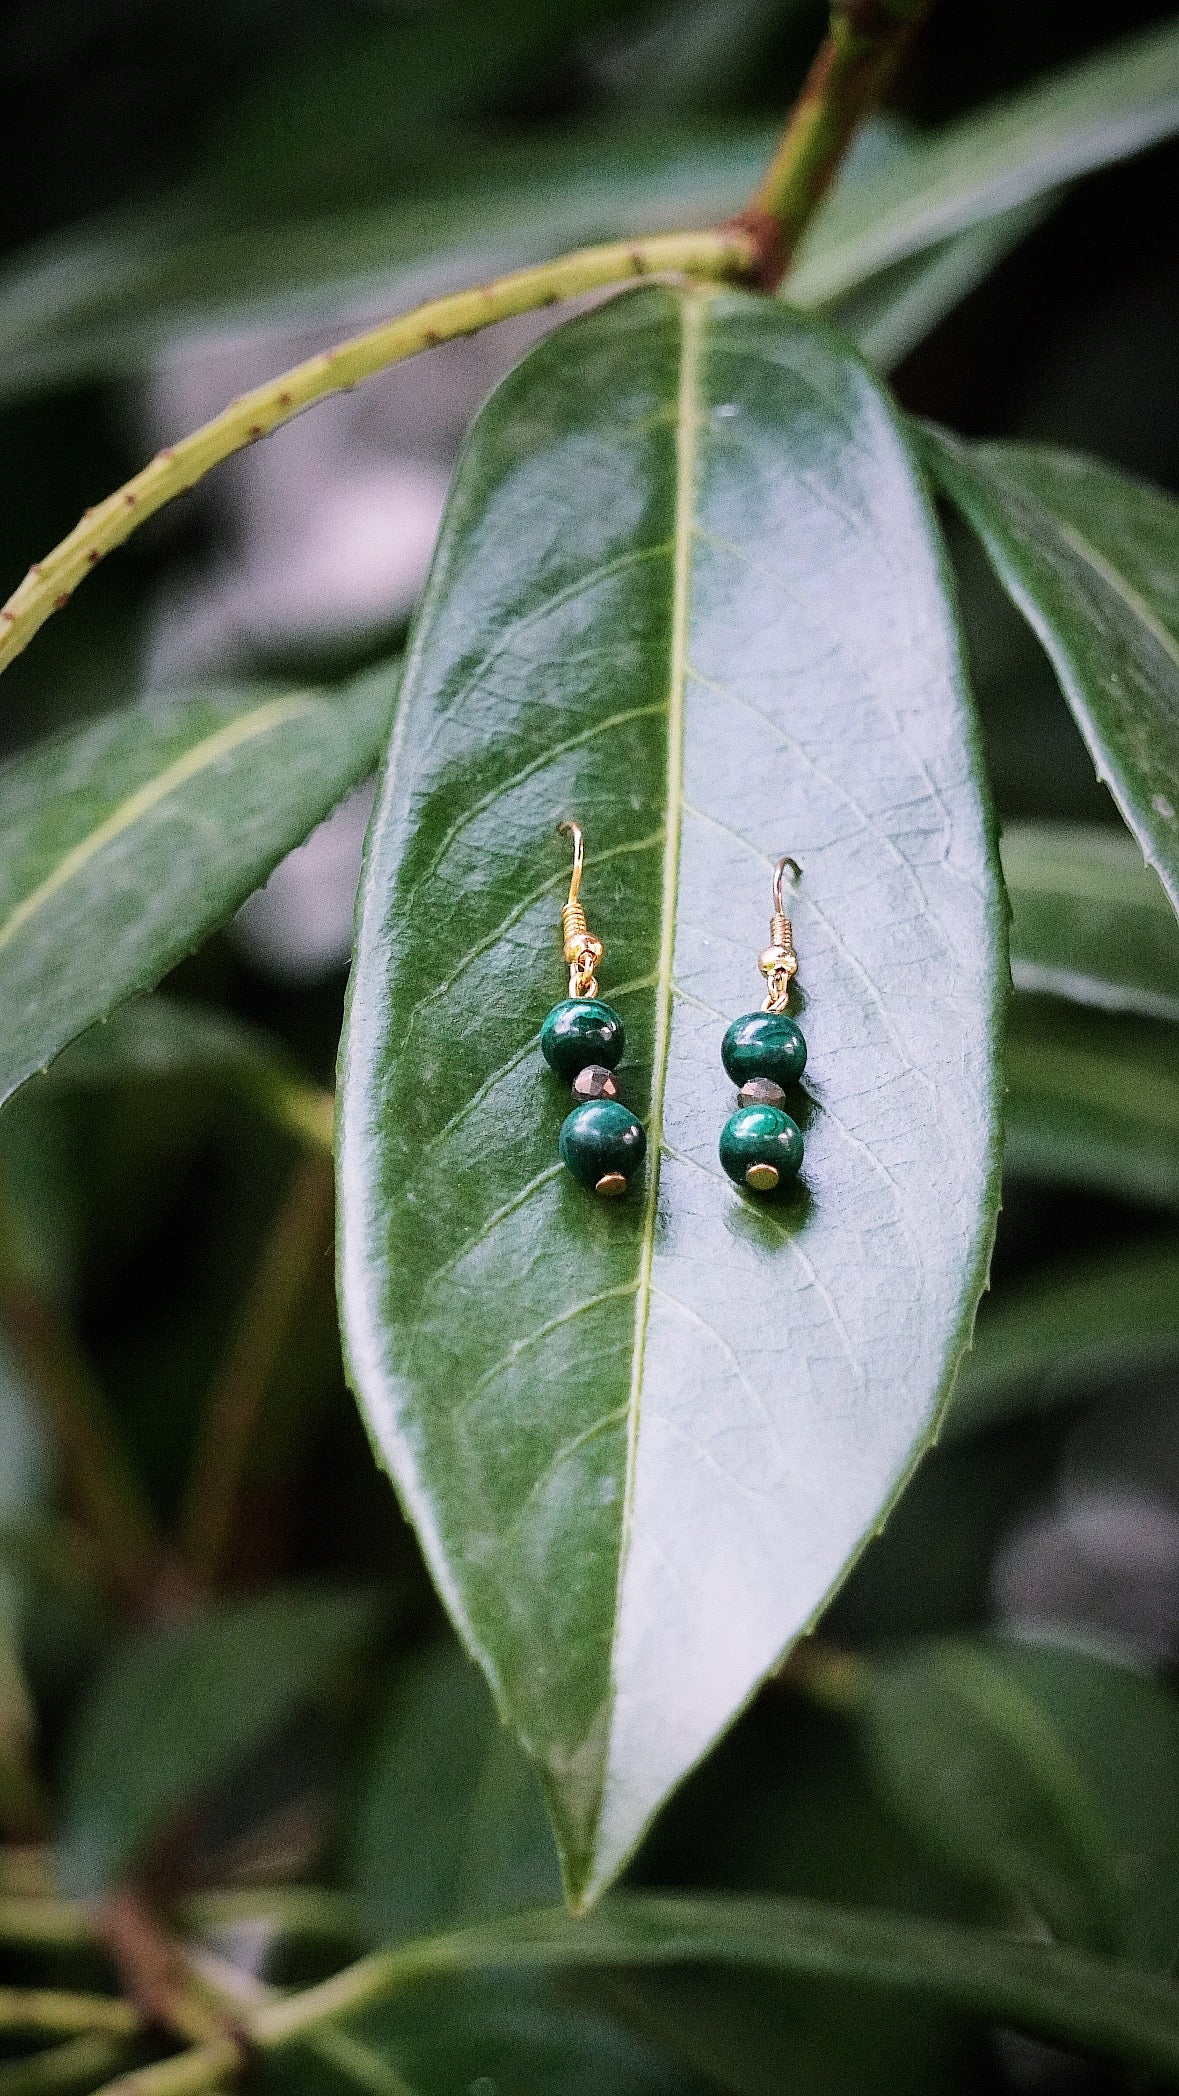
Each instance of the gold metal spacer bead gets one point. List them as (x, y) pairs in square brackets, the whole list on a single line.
[(763, 1178), (778, 960), (611, 1184)]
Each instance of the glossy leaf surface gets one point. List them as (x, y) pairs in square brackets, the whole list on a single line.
[(175, 1710), (1092, 1101), (641, 1441), (1092, 560), (1089, 922), (1049, 1776), (129, 840), (1067, 1334)]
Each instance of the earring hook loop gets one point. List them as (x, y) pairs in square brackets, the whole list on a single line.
[(796, 870), (573, 829)]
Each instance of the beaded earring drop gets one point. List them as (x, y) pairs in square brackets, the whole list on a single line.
[(601, 1141), (760, 1146)]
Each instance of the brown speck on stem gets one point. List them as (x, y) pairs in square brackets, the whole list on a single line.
[(432, 338), (36, 568), (284, 400), (165, 457), (59, 603), (94, 556), (9, 617), (256, 430), (130, 498)]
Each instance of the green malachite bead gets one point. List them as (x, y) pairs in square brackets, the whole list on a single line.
[(760, 1147), (602, 1140), (764, 1044), (580, 1031)]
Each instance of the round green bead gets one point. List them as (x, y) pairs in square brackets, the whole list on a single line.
[(760, 1135), (600, 1138), (764, 1044), (580, 1031)]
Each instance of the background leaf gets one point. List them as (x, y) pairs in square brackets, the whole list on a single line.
[(129, 840), (161, 1039), (1049, 1776), (451, 1824), (1066, 1334), (1089, 922), (1089, 2003), (1092, 560), (994, 160), (665, 586), (175, 1710), (1092, 1101), (106, 296)]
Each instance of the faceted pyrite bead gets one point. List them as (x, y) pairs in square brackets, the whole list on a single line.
[(761, 1091), (594, 1082), (602, 1144), (764, 1044), (581, 1031), (760, 1147)]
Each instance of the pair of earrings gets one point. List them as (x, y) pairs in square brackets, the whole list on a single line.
[(602, 1143)]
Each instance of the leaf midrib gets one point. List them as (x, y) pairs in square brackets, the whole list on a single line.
[(691, 307)]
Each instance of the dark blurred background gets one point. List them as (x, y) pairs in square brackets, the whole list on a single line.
[(129, 122)]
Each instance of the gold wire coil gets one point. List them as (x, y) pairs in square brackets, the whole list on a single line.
[(573, 926), (778, 961), (582, 951)]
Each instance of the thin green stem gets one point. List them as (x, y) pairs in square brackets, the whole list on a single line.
[(77, 2064), (37, 1923), (35, 2012), (298, 1237), (725, 252), (851, 72)]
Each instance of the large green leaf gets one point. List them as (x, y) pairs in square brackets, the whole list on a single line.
[(994, 160), (1048, 1776), (1068, 1333), (1089, 922), (1092, 560), (686, 589), (1092, 1101), (129, 840), (175, 1710)]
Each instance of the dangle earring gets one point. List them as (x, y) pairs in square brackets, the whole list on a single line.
[(760, 1146), (601, 1141)]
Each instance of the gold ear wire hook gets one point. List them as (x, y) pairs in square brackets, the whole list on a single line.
[(582, 951), (778, 961)]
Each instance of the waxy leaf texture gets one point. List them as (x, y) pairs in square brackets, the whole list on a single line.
[(688, 591)]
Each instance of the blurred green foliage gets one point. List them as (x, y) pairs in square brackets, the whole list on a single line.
[(180, 166)]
